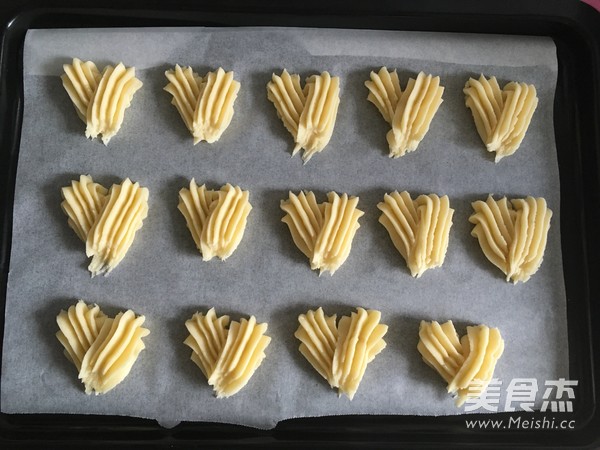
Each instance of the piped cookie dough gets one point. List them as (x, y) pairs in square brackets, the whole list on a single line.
[(341, 352), (227, 353), (419, 229), (408, 112), (106, 220), (79, 327), (103, 349), (113, 232), (322, 231), (204, 103), (512, 235), (82, 202), (216, 218), (308, 113), (100, 98), (502, 117), (468, 364)]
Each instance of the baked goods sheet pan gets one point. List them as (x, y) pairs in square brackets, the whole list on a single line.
[(164, 277)]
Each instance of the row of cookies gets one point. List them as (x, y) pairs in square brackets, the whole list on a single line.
[(512, 234), (104, 349), (206, 105)]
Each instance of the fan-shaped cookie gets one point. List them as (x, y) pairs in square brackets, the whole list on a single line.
[(308, 114), (208, 334), (512, 235), (100, 99), (80, 80), (466, 365), (418, 228), (79, 327), (228, 357), (204, 103), (323, 232), (103, 349), (83, 202), (318, 335), (410, 112), (340, 353), (501, 116), (113, 353), (114, 230), (216, 219)]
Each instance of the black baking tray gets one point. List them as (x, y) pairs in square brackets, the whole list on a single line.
[(574, 27)]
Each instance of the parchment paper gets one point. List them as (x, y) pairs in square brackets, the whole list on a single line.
[(164, 277)]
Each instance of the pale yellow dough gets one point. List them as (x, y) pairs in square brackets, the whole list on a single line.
[(501, 116), (308, 114), (340, 353), (513, 234), (114, 230), (466, 365), (79, 327), (410, 112), (204, 103), (103, 349), (419, 229), (83, 202), (100, 99), (216, 219), (80, 80), (324, 231), (228, 354)]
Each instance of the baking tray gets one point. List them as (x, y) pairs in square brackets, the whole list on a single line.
[(575, 28)]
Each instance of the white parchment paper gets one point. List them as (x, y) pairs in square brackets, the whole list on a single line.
[(164, 278)]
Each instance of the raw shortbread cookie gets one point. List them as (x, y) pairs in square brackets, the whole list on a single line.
[(103, 349), (501, 116), (114, 230), (410, 112), (418, 228), (227, 356), (216, 219), (308, 114), (105, 220), (512, 235), (100, 99), (79, 328), (466, 365), (204, 103), (83, 202), (340, 353), (324, 231)]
